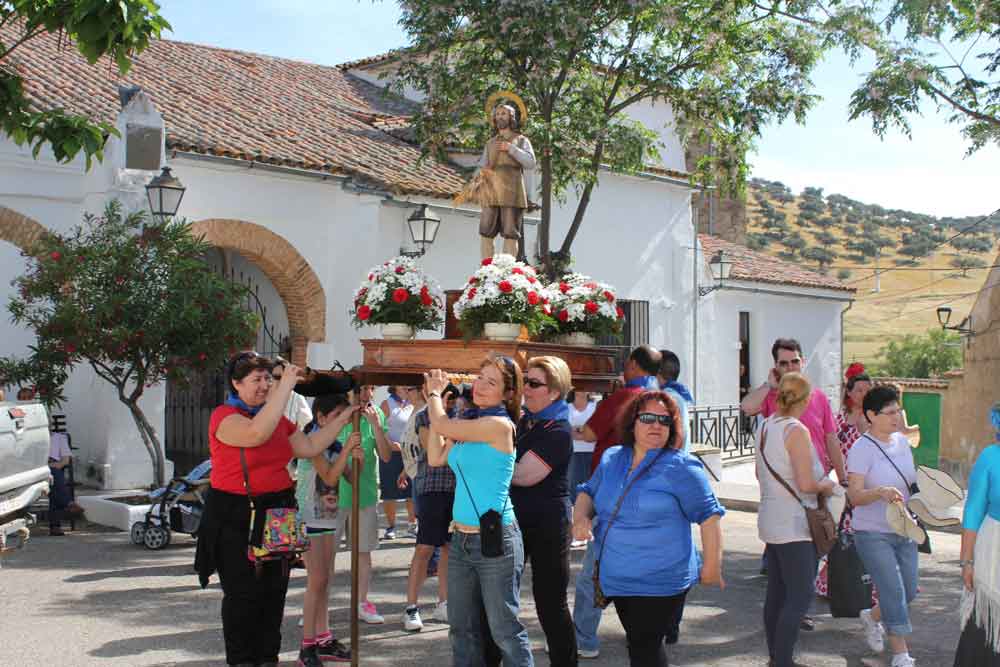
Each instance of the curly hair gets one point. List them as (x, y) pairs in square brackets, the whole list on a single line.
[(630, 413)]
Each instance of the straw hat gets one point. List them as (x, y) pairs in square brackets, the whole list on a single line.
[(902, 523), (937, 502)]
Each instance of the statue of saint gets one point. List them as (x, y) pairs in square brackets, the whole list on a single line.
[(499, 185)]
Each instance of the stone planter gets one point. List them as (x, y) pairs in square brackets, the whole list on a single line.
[(577, 338), (397, 331), (501, 331)]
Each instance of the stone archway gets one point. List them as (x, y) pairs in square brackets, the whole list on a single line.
[(19, 229), (292, 277)]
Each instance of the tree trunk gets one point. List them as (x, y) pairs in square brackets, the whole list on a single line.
[(150, 440), (544, 229), (581, 207)]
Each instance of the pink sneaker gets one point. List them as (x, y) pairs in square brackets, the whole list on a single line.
[(368, 613)]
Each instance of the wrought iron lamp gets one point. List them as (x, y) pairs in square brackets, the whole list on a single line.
[(944, 316), (423, 224), (164, 192), (721, 265)]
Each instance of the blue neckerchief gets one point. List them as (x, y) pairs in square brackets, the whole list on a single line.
[(554, 411), (238, 403), (643, 382), (477, 412), (681, 390)]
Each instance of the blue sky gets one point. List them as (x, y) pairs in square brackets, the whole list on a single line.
[(928, 174)]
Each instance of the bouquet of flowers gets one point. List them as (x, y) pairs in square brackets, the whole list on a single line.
[(398, 291), (580, 304), (504, 290)]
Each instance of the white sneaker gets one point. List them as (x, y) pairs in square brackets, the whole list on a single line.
[(368, 613), (586, 654), (874, 632), (440, 612), (903, 660), (411, 620)]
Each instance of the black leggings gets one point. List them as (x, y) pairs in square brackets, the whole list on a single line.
[(791, 573), (546, 547), (650, 624)]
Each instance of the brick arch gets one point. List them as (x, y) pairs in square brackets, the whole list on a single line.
[(19, 229), (292, 277)]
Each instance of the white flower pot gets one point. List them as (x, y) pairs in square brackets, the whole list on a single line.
[(397, 331), (577, 338), (505, 331)]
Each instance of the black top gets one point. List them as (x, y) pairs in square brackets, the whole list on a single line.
[(552, 442)]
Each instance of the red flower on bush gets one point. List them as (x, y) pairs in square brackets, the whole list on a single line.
[(400, 270), (472, 292), (619, 312), (364, 312), (533, 298), (563, 316), (590, 307), (487, 261), (56, 255), (609, 296), (506, 287), (400, 295), (563, 287)]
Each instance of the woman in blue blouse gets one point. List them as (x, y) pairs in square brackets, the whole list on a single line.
[(646, 556), (979, 645), (479, 448)]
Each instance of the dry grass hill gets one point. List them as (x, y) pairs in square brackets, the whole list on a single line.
[(920, 265)]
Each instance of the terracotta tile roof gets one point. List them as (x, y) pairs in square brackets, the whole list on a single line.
[(361, 63), (244, 105), (916, 383), (758, 267)]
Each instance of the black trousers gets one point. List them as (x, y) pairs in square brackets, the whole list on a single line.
[(59, 497), (650, 623)]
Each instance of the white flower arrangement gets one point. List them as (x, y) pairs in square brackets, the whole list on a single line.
[(398, 291), (504, 290)]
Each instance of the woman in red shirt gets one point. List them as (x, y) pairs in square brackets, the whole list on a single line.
[(253, 600)]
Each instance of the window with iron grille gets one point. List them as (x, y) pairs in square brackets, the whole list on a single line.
[(635, 331)]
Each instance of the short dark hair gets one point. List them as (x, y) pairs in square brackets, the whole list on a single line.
[(243, 364), (646, 358), (670, 366), (630, 413), (878, 398), (324, 404), (789, 344)]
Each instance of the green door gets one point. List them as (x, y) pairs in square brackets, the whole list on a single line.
[(925, 410)]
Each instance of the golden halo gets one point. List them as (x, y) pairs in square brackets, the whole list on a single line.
[(522, 110)]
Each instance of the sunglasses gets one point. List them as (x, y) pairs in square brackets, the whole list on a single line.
[(651, 417), (533, 383)]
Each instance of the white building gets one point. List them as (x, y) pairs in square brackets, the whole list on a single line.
[(294, 172)]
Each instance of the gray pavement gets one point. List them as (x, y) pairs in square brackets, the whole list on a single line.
[(92, 598)]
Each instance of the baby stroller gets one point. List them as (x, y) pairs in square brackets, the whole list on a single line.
[(176, 508)]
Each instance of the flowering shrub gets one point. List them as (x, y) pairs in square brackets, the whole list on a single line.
[(581, 304), (504, 290), (398, 291)]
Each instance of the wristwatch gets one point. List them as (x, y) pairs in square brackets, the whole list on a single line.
[(963, 563)]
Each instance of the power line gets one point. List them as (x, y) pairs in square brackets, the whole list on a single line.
[(889, 297)]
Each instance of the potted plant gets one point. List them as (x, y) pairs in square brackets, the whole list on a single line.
[(501, 297), (399, 296), (584, 310)]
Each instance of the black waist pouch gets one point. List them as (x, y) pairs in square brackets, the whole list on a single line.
[(491, 534)]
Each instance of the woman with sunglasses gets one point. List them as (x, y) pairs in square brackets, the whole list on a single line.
[(643, 497), (250, 429), (484, 570)]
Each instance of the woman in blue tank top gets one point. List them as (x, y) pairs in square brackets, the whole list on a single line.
[(479, 447)]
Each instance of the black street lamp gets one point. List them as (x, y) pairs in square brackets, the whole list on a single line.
[(944, 316), (164, 192), (721, 266), (423, 224)]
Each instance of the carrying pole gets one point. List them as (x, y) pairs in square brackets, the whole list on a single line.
[(355, 551)]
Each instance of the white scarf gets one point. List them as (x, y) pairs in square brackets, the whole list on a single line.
[(985, 599)]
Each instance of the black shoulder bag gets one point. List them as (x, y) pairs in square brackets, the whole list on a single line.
[(925, 546), (490, 523), (600, 601)]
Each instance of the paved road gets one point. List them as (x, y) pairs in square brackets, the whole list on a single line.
[(92, 598)]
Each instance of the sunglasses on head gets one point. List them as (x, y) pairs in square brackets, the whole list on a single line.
[(651, 417), (533, 383)]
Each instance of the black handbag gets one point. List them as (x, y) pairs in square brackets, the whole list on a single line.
[(850, 587), (490, 524)]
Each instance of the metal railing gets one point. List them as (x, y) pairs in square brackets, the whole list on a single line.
[(724, 427)]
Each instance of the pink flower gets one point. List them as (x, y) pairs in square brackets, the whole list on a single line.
[(506, 287), (590, 285)]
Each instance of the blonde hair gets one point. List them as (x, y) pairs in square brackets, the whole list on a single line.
[(793, 390), (557, 375)]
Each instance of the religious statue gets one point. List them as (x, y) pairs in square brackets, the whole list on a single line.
[(499, 185)]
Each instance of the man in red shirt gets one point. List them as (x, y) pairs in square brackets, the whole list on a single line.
[(640, 374)]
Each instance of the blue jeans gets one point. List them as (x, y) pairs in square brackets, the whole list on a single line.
[(891, 561), (586, 617), (579, 471), (479, 586)]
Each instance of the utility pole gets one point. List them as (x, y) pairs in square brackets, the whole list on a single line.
[(878, 276)]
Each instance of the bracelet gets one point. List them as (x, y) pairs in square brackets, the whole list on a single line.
[(963, 563), (434, 393)]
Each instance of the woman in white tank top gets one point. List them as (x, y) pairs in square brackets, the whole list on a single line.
[(784, 446)]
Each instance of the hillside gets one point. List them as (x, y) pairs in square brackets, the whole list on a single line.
[(920, 261)]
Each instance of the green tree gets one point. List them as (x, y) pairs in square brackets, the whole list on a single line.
[(825, 237), (823, 257), (966, 262), (973, 243), (725, 69), (134, 301), (920, 356), (96, 28)]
